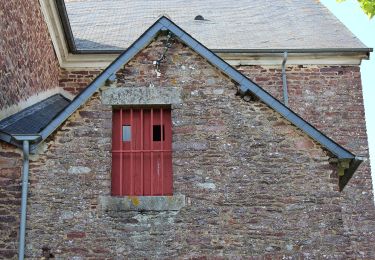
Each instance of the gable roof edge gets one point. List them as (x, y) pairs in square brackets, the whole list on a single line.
[(138, 45), (246, 85)]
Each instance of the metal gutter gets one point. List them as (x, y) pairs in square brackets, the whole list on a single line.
[(25, 139), (294, 50), (285, 86), (8, 138), (249, 51), (5, 137)]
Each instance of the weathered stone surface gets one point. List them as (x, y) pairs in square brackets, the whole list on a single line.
[(141, 96), (78, 170), (141, 203), (330, 98), (206, 185), (189, 145)]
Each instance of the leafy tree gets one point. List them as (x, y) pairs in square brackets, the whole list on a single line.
[(368, 6)]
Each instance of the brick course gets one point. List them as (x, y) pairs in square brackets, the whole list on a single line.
[(28, 64), (74, 81)]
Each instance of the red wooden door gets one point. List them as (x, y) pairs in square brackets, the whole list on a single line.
[(142, 152)]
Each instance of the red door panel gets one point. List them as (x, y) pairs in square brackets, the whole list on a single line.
[(142, 152)]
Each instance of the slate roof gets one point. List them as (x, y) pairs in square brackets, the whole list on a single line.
[(35, 118), (229, 24)]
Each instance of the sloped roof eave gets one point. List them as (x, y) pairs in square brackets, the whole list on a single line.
[(246, 86)]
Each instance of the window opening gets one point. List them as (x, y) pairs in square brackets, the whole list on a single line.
[(157, 134), (126, 133)]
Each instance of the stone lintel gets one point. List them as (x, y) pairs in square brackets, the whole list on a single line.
[(125, 96), (141, 203)]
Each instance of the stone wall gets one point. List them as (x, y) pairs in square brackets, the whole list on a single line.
[(10, 199), (28, 64), (255, 185), (330, 98)]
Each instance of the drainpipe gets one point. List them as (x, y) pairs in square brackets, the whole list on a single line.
[(25, 183), (285, 86)]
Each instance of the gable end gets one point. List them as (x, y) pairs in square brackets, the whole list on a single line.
[(246, 86)]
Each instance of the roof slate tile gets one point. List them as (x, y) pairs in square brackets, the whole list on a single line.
[(34, 118), (228, 24)]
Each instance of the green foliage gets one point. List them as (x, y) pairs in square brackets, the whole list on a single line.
[(368, 6)]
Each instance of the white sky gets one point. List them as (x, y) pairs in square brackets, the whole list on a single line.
[(352, 16)]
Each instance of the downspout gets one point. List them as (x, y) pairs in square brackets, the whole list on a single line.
[(285, 86), (25, 183)]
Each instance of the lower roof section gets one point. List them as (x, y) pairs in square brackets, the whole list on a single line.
[(35, 118)]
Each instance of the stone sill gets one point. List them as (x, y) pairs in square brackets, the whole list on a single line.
[(141, 203)]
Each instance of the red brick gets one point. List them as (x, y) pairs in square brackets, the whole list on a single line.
[(28, 61), (75, 235)]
